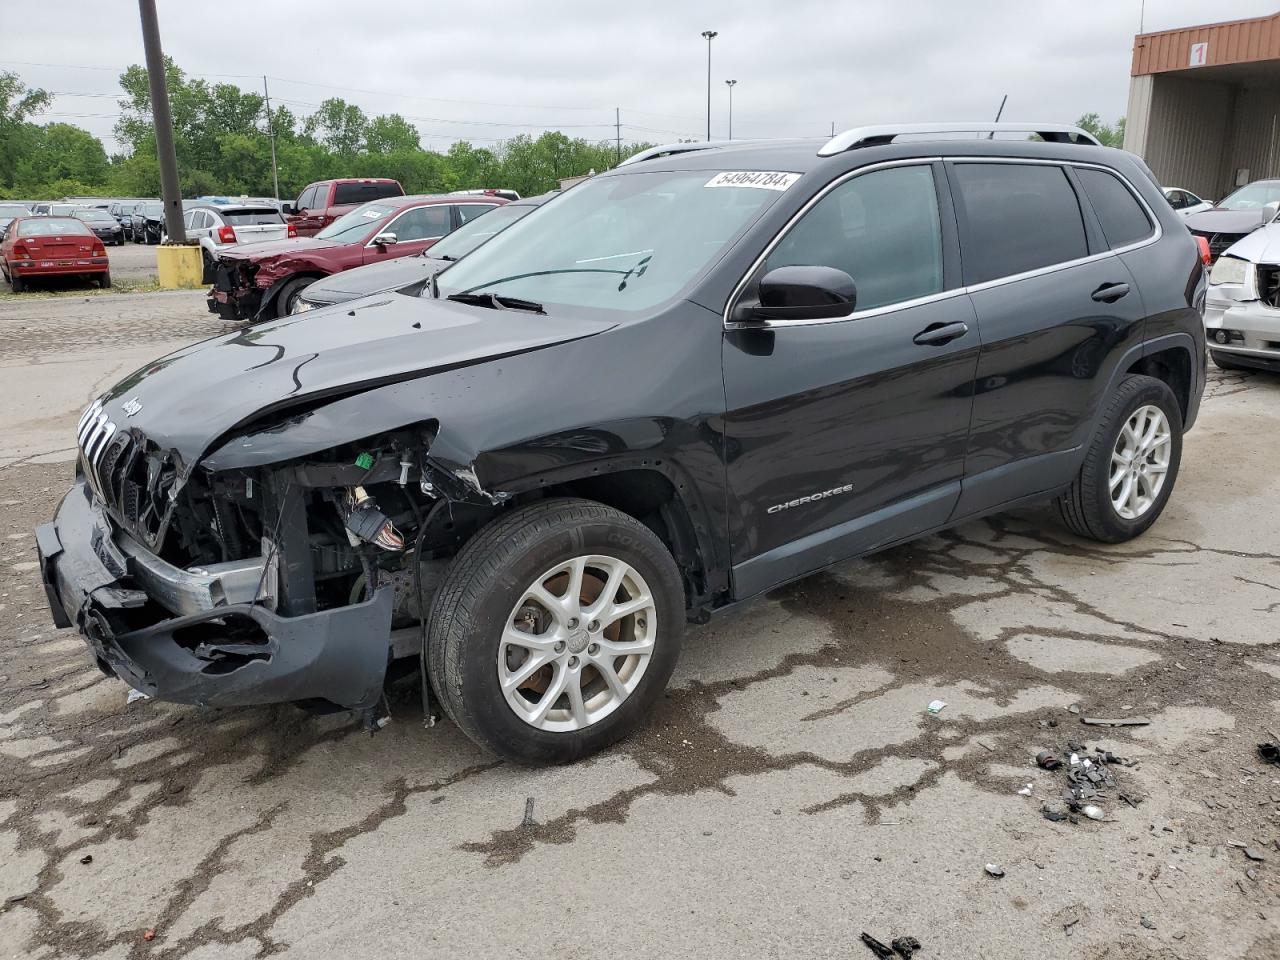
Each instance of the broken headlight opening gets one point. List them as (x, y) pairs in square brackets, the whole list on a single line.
[(293, 581), (365, 523)]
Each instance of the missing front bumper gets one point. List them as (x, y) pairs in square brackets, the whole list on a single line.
[(234, 654)]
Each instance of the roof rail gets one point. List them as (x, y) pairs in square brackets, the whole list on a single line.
[(671, 149), (885, 133)]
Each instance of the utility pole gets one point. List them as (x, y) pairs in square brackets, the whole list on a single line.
[(271, 131), (617, 132), (170, 190), (833, 128), (710, 35), (731, 84)]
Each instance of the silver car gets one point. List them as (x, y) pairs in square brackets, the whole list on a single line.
[(218, 226), (1242, 310)]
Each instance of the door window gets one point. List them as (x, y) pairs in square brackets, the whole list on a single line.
[(881, 228), (1018, 217), (1121, 215), (1178, 200), (308, 198), (469, 211), (421, 223)]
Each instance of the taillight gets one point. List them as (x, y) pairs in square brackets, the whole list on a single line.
[(292, 231), (1206, 256), (98, 249), (226, 235), (20, 250)]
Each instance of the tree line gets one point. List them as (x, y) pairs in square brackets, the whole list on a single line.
[(221, 136), (222, 142)]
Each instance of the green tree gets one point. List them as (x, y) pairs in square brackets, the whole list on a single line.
[(1108, 136), (18, 103), (340, 126), (386, 134)]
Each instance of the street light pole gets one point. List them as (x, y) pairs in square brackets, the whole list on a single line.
[(731, 84), (710, 35), (170, 191)]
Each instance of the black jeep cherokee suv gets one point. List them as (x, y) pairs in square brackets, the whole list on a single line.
[(683, 383)]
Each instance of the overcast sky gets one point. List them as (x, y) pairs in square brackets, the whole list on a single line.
[(488, 71)]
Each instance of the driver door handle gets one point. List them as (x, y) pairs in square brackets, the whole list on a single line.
[(937, 334), (1110, 292)]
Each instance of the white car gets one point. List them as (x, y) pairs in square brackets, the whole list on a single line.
[(217, 227), (1242, 309), (1185, 202)]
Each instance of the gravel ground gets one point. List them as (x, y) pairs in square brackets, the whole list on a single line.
[(790, 792)]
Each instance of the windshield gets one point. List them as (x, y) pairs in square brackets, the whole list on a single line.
[(50, 227), (152, 209), (353, 226), (1253, 197), (619, 242), (94, 215), (475, 232)]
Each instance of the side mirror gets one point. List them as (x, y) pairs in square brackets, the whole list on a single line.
[(288, 209), (385, 240), (805, 293), (1270, 211)]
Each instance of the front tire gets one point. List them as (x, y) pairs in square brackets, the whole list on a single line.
[(289, 294), (555, 630), (1130, 466)]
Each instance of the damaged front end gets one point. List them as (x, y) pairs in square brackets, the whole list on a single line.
[(293, 582), (235, 295), (1242, 313)]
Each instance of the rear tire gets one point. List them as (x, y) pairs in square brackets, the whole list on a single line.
[(489, 587), (16, 283), (104, 281), (1089, 508), (1222, 363)]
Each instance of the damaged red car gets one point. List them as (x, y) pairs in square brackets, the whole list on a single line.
[(262, 281)]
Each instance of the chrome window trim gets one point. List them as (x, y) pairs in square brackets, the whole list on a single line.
[(1156, 235), (387, 227)]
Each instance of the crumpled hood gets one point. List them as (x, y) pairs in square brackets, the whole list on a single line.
[(1225, 221), (1261, 246), (265, 249), (374, 278), (189, 399)]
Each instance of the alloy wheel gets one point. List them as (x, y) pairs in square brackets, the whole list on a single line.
[(1140, 462), (577, 643)]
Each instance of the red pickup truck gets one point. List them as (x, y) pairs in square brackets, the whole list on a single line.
[(324, 202)]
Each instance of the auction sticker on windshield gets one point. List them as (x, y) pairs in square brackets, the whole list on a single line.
[(764, 179)]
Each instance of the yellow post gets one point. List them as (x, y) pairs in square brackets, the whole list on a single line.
[(179, 267)]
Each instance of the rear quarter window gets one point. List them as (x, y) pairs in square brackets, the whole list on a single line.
[(1121, 215), (347, 193), (1017, 217)]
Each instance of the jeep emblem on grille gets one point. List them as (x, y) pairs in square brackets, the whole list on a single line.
[(131, 406)]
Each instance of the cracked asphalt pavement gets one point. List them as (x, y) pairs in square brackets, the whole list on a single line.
[(791, 791)]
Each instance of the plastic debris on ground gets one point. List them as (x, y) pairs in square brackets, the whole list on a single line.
[(1270, 752), (935, 707), (135, 695), (1116, 721), (1090, 782), (902, 947), (905, 947), (994, 870)]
